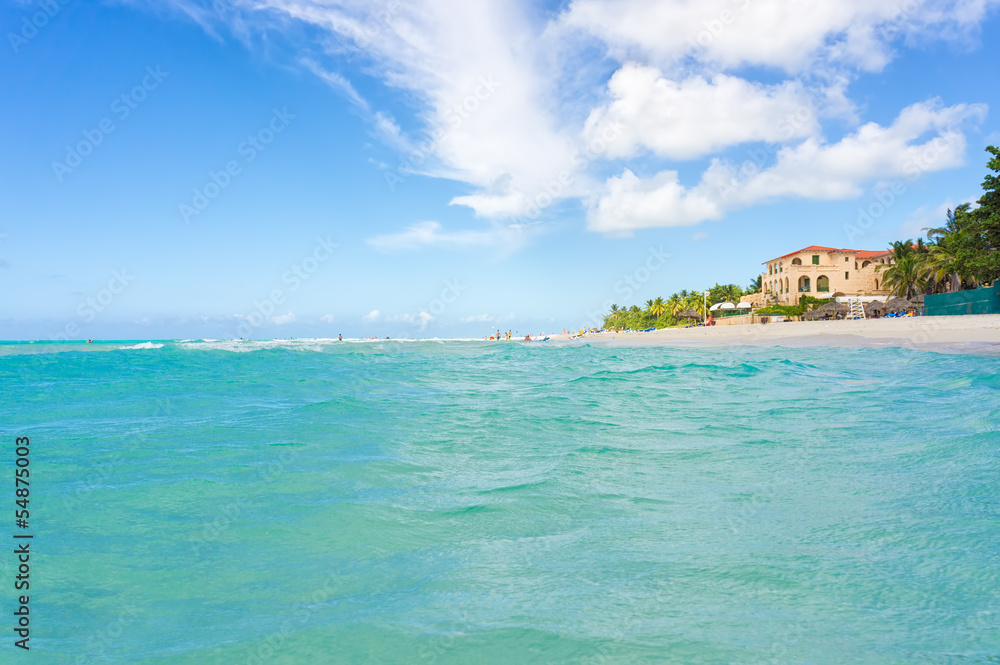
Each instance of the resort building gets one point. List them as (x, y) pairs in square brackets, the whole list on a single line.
[(821, 272)]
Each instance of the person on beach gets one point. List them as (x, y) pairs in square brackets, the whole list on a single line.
[(340, 338)]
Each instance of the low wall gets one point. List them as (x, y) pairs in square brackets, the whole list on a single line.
[(733, 320)]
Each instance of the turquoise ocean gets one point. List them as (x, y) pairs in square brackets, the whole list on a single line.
[(429, 502)]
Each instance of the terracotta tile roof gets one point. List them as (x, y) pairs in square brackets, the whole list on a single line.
[(860, 253)]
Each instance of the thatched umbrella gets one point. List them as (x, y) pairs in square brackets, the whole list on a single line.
[(819, 312), (875, 307), (898, 304), (688, 314)]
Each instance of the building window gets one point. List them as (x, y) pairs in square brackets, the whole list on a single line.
[(804, 285), (866, 264), (815, 259), (781, 267), (823, 284), (847, 274), (847, 259), (796, 262), (770, 269)]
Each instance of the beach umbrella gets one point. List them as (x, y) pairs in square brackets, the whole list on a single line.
[(688, 314), (715, 307), (744, 305), (875, 307), (898, 304), (826, 310), (727, 305)]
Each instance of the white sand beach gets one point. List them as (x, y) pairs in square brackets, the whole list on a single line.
[(976, 333)]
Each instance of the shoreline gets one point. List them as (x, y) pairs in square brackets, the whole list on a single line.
[(969, 333)]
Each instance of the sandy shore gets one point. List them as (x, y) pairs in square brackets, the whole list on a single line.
[(965, 334)]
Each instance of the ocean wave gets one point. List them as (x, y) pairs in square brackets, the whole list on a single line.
[(144, 345)]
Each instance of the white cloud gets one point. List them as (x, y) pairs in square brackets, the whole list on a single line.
[(786, 34), (697, 116), (372, 316), (282, 319), (698, 237), (420, 319), (504, 99), (432, 234), (328, 318), (812, 169), (817, 170), (632, 203), (479, 318)]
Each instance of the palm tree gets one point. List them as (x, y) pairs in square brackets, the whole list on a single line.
[(615, 311), (903, 275), (675, 303), (657, 307), (942, 256), (756, 285)]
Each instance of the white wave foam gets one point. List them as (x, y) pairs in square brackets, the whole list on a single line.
[(144, 345)]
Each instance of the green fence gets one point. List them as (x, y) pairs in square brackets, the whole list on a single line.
[(984, 300)]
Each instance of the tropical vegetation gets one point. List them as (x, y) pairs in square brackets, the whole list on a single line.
[(961, 254), (668, 312)]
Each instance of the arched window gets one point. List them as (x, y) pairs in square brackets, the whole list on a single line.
[(823, 284), (804, 284), (876, 285), (866, 264), (786, 285), (770, 269), (796, 262), (781, 267)]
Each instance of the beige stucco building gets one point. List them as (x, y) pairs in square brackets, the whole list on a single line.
[(822, 271)]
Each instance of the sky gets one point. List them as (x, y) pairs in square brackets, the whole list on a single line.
[(436, 168)]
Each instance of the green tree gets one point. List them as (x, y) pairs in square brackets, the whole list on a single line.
[(905, 274), (658, 307), (982, 258)]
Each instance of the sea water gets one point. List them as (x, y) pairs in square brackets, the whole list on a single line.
[(474, 502)]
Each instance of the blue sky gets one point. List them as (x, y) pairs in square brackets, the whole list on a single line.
[(484, 164)]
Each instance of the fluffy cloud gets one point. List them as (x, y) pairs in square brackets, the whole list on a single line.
[(811, 169), (632, 203), (696, 116), (786, 34)]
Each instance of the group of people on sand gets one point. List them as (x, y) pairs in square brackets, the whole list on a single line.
[(499, 336)]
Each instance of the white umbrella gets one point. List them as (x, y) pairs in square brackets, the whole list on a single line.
[(721, 305), (744, 305)]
